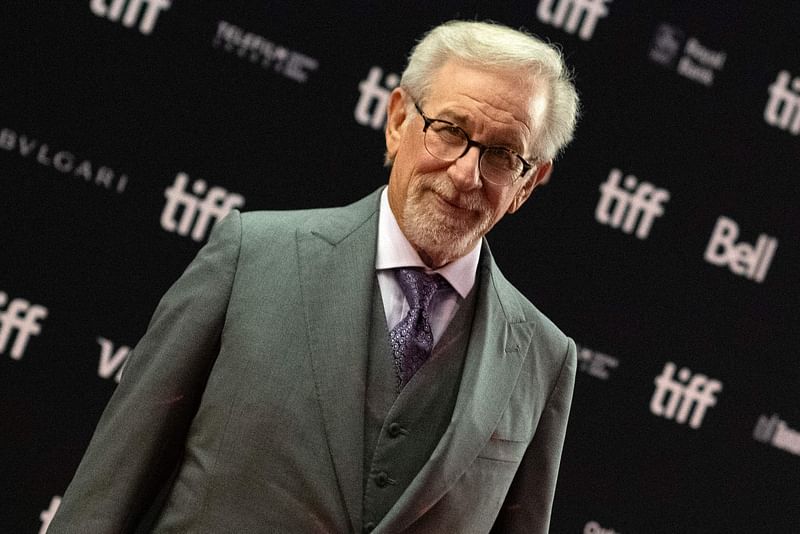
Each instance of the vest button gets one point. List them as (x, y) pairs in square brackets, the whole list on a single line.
[(382, 479), (395, 430), (369, 527)]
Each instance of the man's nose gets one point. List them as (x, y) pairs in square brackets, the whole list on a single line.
[(465, 172)]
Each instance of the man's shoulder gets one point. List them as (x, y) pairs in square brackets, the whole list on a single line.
[(272, 223), (547, 332)]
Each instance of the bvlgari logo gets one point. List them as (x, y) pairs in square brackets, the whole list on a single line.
[(63, 161)]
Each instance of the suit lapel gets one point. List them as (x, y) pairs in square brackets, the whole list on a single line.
[(337, 267), (498, 342)]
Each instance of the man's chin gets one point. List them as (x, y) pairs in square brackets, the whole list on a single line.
[(443, 244), (442, 232)]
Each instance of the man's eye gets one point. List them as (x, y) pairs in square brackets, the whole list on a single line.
[(451, 134), (501, 158)]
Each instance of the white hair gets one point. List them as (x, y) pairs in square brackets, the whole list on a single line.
[(493, 46)]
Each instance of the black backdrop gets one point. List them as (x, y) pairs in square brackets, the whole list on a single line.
[(686, 269)]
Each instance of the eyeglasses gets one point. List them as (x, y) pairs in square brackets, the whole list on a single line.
[(446, 141)]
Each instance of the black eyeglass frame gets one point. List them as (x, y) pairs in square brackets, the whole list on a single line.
[(471, 143)]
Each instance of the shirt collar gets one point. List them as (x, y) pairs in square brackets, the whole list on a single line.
[(395, 251)]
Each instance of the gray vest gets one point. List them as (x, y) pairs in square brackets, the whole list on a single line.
[(401, 430)]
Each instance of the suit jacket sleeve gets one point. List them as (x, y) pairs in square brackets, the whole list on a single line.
[(530, 499), (140, 436)]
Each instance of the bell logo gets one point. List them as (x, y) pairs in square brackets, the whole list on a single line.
[(633, 207), (572, 16), (742, 259), (196, 211), (20, 317), (676, 399), (783, 106), (113, 10), (371, 107)]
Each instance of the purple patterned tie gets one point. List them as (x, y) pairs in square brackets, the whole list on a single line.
[(411, 339)]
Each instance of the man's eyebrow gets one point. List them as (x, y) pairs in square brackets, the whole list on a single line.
[(464, 122), (459, 119), (504, 139)]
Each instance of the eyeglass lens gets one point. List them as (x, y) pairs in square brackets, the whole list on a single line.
[(447, 142)]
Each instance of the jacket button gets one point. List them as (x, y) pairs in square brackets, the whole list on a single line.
[(395, 430), (369, 527), (382, 479)]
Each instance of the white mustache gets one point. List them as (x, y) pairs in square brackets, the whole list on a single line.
[(474, 201)]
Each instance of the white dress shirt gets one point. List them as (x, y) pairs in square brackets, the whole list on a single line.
[(395, 251)]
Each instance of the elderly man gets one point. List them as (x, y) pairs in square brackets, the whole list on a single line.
[(365, 368)]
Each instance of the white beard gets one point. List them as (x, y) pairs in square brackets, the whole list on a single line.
[(441, 234)]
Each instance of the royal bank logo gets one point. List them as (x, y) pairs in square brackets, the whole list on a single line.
[(683, 396), (743, 259), (595, 363), (783, 105), (194, 213), (47, 515), (593, 527), (19, 321), (573, 16), (261, 51), (129, 13), (689, 57), (375, 90), (112, 359), (774, 431), (629, 204), (63, 161)]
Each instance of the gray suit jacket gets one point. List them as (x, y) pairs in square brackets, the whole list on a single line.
[(249, 383)]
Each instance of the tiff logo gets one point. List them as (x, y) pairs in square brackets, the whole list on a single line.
[(113, 10), (572, 16), (20, 317), (783, 106), (112, 362), (630, 207), (777, 433), (194, 209), (675, 399), (742, 259), (371, 106)]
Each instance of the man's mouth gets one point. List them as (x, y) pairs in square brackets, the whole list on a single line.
[(450, 203)]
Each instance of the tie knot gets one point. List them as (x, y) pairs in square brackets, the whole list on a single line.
[(419, 287)]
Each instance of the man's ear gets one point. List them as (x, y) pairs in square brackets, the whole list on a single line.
[(540, 176), (395, 117)]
